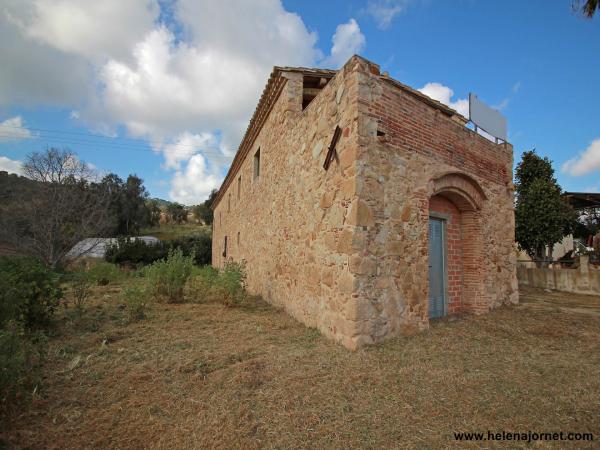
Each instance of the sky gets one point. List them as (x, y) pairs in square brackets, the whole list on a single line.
[(165, 88)]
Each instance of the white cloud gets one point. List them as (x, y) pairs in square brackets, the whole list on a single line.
[(193, 184), (384, 11), (13, 129), (172, 88), (444, 95), (186, 145), (516, 87), (92, 29), (503, 104), (33, 74), (190, 84), (347, 41), (586, 162), (10, 165)]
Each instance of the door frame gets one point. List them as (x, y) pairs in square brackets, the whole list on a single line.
[(445, 220)]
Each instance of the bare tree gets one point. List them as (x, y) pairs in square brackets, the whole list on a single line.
[(56, 166), (57, 209)]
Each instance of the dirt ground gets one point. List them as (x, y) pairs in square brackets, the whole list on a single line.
[(203, 375)]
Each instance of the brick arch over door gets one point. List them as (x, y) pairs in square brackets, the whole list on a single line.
[(468, 198)]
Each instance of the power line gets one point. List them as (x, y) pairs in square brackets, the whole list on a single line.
[(116, 146), (110, 141)]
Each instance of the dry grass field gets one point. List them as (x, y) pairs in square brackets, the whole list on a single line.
[(204, 375)]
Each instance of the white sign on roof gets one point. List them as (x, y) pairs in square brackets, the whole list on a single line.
[(486, 118)]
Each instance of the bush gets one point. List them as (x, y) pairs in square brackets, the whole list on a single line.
[(200, 287), (21, 357), (134, 251), (167, 277), (227, 286), (199, 247), (231, 283), (104, 273), (136, 303), (29, 291)]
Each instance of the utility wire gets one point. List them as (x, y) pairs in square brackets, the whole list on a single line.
[(112, 142)]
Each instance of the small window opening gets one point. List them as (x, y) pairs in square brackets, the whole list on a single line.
[(225, 247), (311, 86), (229, 202), (238, 238), (257, 164), (380, 133), (239, 186)]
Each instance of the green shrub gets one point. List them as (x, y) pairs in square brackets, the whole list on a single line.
[(200, 286), (208, 273), (166, 278), (134, 251), (29, 291), (231, 283), (199, 247), (104, 273), (227, 286), (21, 357), (136, 301)]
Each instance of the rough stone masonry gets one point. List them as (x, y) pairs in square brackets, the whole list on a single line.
[(345, 249)]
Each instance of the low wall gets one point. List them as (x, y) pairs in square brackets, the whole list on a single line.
[(584, 279)]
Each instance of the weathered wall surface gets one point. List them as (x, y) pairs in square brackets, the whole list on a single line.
[(345, 250), (296, 222), (584, 279), (404, 146)]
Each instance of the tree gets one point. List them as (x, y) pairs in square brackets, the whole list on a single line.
[(199, 212), (56, 166), (128, 203), (59, 207), (136, 213), (542, 216), (589, 7), (203, 212), (177, 212), (153, 212)]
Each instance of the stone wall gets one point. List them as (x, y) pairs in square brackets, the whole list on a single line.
[(296, 221)]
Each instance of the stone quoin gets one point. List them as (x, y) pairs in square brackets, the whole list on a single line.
[(412, 218)]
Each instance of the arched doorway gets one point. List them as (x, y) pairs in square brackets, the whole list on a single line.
[(455, 246)]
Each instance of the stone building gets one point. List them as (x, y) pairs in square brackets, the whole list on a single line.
[(412, 218)]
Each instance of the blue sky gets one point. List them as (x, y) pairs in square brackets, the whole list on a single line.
[(164, 90)]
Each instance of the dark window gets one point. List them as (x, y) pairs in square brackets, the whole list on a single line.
[(257, 164), (238, 238), (225, 248), (239, 186)]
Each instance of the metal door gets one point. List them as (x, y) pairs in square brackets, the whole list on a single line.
[(437, 268)]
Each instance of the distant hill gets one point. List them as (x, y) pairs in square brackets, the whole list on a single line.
[(11, 184)]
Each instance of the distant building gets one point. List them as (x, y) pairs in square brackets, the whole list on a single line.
[(365, 208)]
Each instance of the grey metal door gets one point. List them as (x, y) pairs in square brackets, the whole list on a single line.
[(437, 269)]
